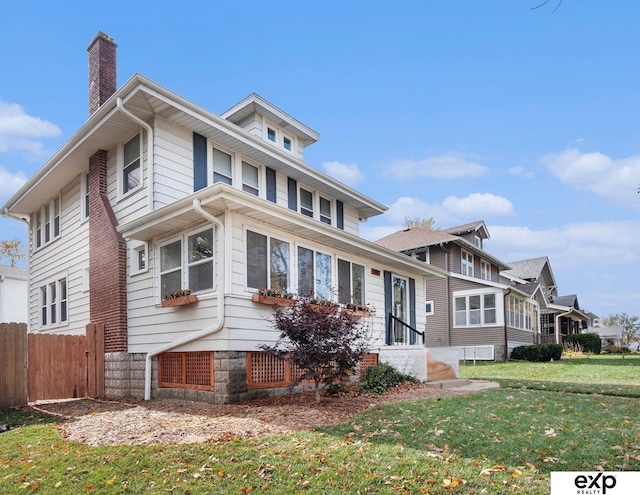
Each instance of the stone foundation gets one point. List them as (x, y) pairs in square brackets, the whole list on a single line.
[(124, 374)]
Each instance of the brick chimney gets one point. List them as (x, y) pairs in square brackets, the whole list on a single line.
[(102, 70)]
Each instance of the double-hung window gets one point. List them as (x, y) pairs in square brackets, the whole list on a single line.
[(47, 222), (187, 263), (314, 273), (222, 167), (53, 303), (475, 310), (268, 262), (325, 210), (467, 263), (485, 270), (306, 202), (131, 165), (350, 282), (250, 179)]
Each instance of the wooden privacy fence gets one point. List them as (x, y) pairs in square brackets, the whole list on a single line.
[(66, 366), (13, 365)]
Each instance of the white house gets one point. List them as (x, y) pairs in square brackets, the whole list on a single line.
[(13, 294), (154, 194)]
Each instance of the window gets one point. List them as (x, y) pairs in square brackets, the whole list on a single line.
[(485, 270), (131, 169), (250, 178), (350, 282), (267, 262), (325, 211), (222, 169), (84, 194), (271, 134), (429, 308), (477, 241), (47, 222), (521, 314), (314, 273), (54, 303), (467, 264), (188, 268), (138, 258), (475, 309), (306, 202), (286, 143)]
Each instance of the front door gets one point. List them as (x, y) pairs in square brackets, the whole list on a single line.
[(400, 308)]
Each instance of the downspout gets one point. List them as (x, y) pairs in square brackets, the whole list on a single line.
[(150, 167), (205, 332), (506, 329), (558, 324)]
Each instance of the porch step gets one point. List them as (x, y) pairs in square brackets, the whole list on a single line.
[(453, 383), (464, 385)]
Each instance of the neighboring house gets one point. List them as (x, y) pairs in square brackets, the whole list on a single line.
[(154, 194), (610, 335), (557, 312), (471, 308), (14, 294)]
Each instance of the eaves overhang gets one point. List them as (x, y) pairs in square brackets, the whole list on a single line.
[(571, 313), (219, 198), (147, 99)]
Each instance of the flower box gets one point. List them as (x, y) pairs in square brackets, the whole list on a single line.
[(272, 300), (179, 301)]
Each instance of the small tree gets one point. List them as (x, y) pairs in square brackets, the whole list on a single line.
[(420, 223), (630, 324), (12, 250), (325, 343)]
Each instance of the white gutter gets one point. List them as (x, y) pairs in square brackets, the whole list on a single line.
[(205, 332), (558, 324), (150, 167)]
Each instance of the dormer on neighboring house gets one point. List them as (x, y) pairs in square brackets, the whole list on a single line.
[(534, 270), (475, 233)]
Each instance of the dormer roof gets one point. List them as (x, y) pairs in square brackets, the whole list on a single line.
[(478, 227), (254, 103)]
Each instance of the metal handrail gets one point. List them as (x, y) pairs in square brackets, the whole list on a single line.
[(392, 318)]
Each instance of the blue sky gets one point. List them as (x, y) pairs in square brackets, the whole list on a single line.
[(462, 110)]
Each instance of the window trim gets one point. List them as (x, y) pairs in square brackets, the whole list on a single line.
[(45, 306), (499, 307), (183, 237), (429, 308), (121, 166), (44, 232), (135, 248)]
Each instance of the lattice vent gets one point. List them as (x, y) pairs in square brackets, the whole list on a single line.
[(192, 370)]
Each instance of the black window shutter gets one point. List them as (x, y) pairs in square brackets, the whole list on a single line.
[(412, 309), (271, 185), (199, 162), (292, 186), (388, 302), (340, 214)]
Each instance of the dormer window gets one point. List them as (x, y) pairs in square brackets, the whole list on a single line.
[(271, 134), (477, 241)]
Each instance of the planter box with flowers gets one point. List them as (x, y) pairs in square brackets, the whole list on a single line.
[(276, 298), (273, 298), (179, 298)]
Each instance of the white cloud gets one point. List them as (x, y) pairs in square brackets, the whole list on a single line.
[(10, 182), (596, 172), (479, 205), (20, 131), (522, 172), (449, 166), (346, 173)]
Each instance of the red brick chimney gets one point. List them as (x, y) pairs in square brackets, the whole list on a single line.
[(102, 70)]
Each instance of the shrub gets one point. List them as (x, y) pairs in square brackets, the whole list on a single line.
[(379, 378), (538, 352), (590, 342), (614, 349)]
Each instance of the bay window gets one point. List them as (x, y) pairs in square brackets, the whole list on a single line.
[(522, 314)]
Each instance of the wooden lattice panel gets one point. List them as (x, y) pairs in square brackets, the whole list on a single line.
[(264, 370), (367, 361), (192, 370)]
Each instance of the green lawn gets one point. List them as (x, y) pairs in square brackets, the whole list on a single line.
[(499, 441)]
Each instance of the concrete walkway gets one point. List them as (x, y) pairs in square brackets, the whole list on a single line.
[(464, 385)]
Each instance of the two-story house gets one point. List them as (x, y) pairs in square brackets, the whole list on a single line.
[(471, 308), (154, 195)]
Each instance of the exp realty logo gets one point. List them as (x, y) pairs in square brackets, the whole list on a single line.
[(595, 483)]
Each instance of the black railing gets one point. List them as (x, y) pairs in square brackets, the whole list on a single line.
[(401, 333)]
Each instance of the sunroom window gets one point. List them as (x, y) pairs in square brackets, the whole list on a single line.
[(268, 261), (314, 273), (350, 282)]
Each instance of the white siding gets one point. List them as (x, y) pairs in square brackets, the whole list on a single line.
[(14, 295), (173, 153), (66, 256), (351, 220)]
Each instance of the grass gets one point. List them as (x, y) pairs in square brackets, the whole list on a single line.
[(501, 441)]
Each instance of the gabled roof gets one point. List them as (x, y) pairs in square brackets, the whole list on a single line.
[(254, 103), (530, 269), (14, 272), (410, 239), (479, 227), (145, 99), (570, 301)]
